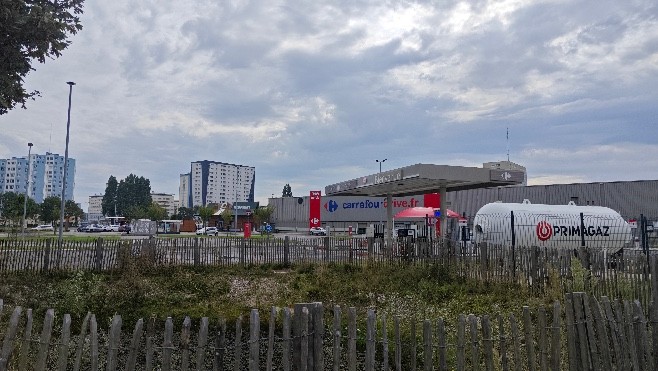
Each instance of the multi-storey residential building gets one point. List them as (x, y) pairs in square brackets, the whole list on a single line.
[(46, 175), (95, 210), (166, 200), (210, 182)]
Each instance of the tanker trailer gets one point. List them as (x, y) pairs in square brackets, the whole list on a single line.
[(558, 226)]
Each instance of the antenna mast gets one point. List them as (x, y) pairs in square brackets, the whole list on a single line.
[(508, 144)]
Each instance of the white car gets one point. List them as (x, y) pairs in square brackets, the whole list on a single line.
[(44, 227), (317, 231), (114, 227), (208, 231)]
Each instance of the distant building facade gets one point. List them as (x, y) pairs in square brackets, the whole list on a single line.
[(46, 176), (631, 199), (508, 165), (165, 200), (210, 182)]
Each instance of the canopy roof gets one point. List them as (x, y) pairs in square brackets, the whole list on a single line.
[(424, 178)]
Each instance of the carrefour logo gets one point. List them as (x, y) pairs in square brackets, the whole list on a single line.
[(331, 206)]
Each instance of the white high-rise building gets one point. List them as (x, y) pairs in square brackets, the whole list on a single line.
[(46, 173), (210, 182)]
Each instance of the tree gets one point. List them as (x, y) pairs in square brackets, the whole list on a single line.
[(49, 209), (186, 213), (133, 192), (73, 210), (32, 30), (287, 191), (205, 213), (109, 203), (227, 216), (135, 212), (156, 212), (12, 207), (263, 214)]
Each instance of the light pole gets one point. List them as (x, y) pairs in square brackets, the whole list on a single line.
[(66, 161), (27, 187), (380, 163)]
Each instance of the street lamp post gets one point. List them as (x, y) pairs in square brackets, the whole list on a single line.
[(380, 163), (66, 161), (27, 187)]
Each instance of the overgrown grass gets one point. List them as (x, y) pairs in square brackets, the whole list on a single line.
[(140, 291)]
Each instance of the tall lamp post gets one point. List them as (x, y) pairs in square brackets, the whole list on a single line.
[(27, 187), (380, 163), (66, 162)]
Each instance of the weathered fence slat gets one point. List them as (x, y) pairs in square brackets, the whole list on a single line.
[(516, 345), (475, 346), (237, 350), (285, 340), (202, 343), (385, 366), (10, 336), (27, 337), (371, 338), (168, 344), (487, 343), (529, 343), (44, 340), (62, 359), (461, 343), (131, 362), (114, 342), (427, 346), (93, 337), (254, 340), (270, 339), (220, 346), (398, 344), (630, 335), (441, 335), (185, 344), (571, 333), (351, 339)]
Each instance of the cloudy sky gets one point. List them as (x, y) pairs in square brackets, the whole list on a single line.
[(313, 92)]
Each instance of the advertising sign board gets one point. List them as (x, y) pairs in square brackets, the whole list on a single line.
[(314, 209)]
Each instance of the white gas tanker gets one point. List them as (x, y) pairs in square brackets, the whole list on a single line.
[(551, 226)]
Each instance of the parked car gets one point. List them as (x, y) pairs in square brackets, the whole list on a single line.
[(43, 227), (317, 231), (94, 228), (114, 227), (208, 231), (83, 227), (125, 228)]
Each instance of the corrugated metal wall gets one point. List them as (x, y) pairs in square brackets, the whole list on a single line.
[(630, 199)]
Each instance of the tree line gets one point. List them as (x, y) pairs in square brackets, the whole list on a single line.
[(11, 209)]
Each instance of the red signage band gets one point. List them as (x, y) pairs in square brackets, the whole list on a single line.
[(314, 209)]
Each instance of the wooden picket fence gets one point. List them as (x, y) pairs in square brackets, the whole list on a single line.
[(623, 276), (582, 334)]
